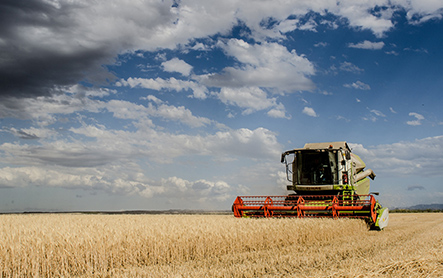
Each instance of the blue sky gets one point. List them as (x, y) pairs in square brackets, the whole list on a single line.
[(122, 105)]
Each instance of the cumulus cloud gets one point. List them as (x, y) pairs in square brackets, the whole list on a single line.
[(267, 65), (421, 11), (177, 65), (251, 99), (367, 45), (418, 119), (172, 83), (421, 157), (47, 44), (278, 111), (202, 191), (118, 179), (45, 110), (309, 111), (112, 160), (128, 110), (358, 14), (127, 182), (102, 146), (259, 143), (289, 25)]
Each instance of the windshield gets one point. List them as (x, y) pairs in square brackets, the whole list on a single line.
[(314, 168)]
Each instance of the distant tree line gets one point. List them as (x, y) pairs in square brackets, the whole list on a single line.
[(414, 210)]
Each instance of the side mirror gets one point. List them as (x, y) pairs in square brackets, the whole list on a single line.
[(283, 157)]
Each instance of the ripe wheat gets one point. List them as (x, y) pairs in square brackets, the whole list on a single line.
[(54, 245)]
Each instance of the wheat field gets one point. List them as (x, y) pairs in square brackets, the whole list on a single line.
[(84, 245)]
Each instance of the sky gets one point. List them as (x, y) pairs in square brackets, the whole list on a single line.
[(157, 105)]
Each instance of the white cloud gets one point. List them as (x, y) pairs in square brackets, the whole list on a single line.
[(421, 11), (358, 85), (251, 99), (278, 111), (90, 34), (80, 90), (114, 160), (321, 44), (421, 157), (360, 16), (418, 50), (128, 110), (153, 99), (117, 179), (418, 119), (266, 65), (201, 47), (182, 114), (259, 143), (288, 25), (43, 109), (101, 146), (377, 113), (47, 110), (309, 111), (177, 65), (200, 190), (368, 45), (172, 83), (349, 67), (393, 52), (310, 25), (374, 115)]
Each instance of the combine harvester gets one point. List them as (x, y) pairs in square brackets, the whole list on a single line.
[(328, 180)]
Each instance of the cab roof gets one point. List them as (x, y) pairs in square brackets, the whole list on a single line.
[(327, 145), (319, 146)]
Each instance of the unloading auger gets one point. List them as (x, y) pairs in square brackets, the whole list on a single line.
[(327, 180)]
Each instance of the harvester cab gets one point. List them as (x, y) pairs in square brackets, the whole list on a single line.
[(327, 180), (326, 169)]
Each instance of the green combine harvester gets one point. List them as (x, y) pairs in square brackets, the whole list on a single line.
[(327, 180)]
